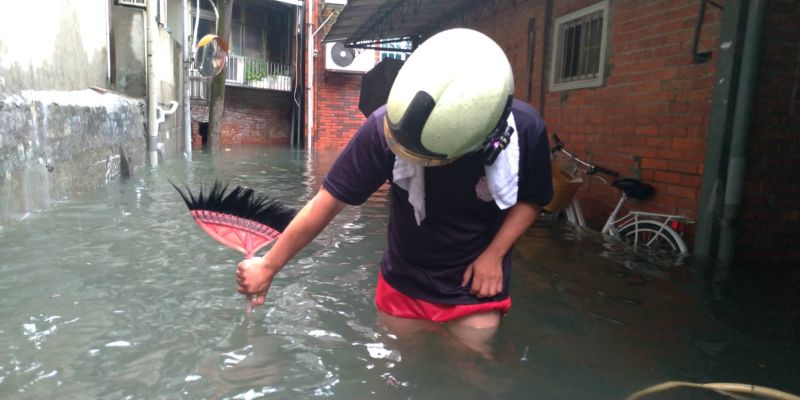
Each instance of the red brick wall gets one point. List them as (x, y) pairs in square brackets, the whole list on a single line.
[(771, 211), (337, 113), (649, 119), (252, 116), (509, 28)]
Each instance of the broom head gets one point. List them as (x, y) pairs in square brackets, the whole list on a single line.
[(241, 219)]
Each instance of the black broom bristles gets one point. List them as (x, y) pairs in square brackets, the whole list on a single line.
[(241, 202)]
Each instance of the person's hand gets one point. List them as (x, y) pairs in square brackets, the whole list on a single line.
[(254, 279), (486, 273)]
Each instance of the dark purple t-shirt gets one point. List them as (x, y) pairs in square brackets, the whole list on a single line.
[(428, 261)]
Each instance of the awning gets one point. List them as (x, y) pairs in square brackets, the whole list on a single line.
[(372, 20)]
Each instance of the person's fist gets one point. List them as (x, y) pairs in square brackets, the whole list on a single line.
[(254, 278)]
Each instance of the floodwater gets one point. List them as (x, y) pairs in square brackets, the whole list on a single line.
[(117, 294)]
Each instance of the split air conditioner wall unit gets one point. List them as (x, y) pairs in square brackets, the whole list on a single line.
[(131, 3), (344, 59)]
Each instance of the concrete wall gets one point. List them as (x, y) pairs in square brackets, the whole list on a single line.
[(131, 57), (57, 137), (169, 74), (130, 60), (54, 144), (53, 44)]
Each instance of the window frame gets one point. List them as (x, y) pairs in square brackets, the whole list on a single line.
[(558, 48)]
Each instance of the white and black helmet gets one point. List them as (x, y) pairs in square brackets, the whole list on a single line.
[(448, 97)]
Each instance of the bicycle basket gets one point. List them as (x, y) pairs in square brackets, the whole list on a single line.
[(565, 185)]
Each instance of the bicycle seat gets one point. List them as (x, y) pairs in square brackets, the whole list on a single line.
[(634, 188)]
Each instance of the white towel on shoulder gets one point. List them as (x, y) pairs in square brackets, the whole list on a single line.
[(502, 177)]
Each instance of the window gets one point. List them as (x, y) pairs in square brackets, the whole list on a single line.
[(386, 51), (262, 33), (578, 59)]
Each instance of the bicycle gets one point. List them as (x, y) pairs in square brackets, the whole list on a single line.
[(655, 232)]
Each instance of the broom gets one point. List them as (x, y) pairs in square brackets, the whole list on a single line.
[(242, 219)]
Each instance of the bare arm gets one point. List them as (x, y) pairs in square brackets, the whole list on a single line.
[(254, 276), (486, 272)]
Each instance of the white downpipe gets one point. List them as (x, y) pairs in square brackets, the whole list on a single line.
[(310, 76), (108, 45), (196, 24), (216, 20), (311, 55), (152, 92), (187, 86), (161, 114)]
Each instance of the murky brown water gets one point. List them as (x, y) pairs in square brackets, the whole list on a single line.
[(117, 294)]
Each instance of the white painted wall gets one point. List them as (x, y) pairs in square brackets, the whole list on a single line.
[(53, 44)]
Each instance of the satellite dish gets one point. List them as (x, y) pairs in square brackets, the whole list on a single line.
[(341, 55)]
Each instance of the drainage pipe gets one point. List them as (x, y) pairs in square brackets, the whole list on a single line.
[(729, 60), (161, 114), (742, 125), (187, 87), (311, 54), (310, 77), (152, 92)]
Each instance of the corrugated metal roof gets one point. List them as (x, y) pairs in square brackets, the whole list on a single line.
[(371, 20)]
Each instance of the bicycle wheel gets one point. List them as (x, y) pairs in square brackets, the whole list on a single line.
[(653, 236)]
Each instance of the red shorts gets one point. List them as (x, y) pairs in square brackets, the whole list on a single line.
[(394, 303)]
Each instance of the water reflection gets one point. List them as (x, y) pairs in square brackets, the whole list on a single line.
[(117, 294)]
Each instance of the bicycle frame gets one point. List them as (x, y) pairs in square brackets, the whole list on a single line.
[(631, 219), (655, 227), (613, 224)]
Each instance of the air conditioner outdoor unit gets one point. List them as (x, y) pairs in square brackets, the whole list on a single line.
[(131, 3), (161, 7), (328, 5), (344, 59)]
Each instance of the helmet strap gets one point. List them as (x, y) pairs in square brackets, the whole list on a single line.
[(499, 138)]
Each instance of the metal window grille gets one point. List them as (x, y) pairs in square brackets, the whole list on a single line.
[(579, 48), (161, 8), (161, 12), (131, 3)]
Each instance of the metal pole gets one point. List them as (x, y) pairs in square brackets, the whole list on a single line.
[(187, 88), (152, 92), (310, 78), (742, 118), (721, 121)]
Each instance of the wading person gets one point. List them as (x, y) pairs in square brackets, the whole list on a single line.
[(469, 169)]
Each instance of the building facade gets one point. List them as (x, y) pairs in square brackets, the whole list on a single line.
[(637, 86), (263, 95)]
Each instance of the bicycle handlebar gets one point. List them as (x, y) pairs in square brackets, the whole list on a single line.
[(606, 171), (559, 145), (591, 169)]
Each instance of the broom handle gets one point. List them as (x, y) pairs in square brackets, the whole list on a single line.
[(247, 255)]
